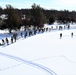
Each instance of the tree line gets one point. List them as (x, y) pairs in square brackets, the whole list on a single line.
[(36, 16)]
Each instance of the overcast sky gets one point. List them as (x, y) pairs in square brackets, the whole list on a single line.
[(47, 4)]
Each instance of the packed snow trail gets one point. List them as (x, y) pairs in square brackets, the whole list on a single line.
[(49, 71), (61, 56)]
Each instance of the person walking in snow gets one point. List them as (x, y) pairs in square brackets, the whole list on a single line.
[(15, 36), (3, 41), (60, 35), (25, 34), (7, 41), (11, 39), (72, 34), (21, 34)]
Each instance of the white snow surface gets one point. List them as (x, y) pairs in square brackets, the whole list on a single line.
[(41, 54)]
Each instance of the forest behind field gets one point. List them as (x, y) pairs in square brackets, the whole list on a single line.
[(36, 16)]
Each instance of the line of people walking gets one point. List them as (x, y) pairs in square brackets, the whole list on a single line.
[(6, 40), (27, 33)]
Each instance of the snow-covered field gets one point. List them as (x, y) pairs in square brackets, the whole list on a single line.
[(42, 54)]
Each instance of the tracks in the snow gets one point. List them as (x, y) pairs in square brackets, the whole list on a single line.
[(49, 71)]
